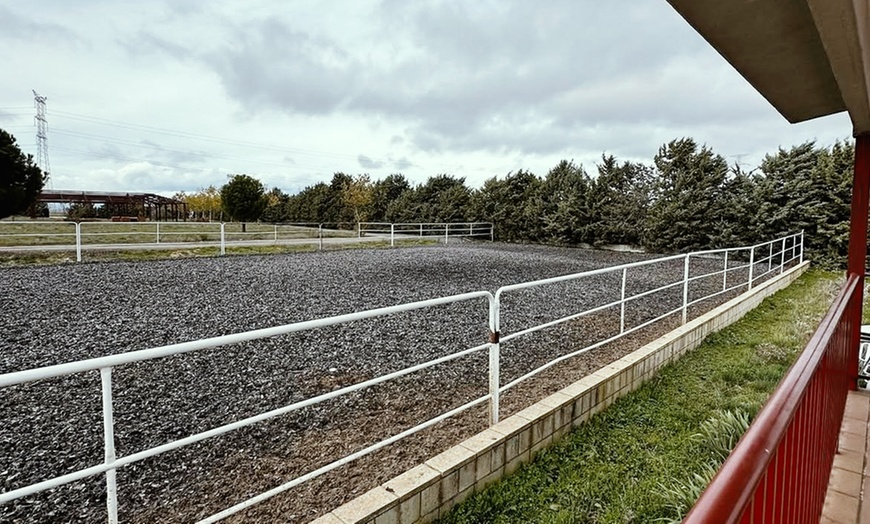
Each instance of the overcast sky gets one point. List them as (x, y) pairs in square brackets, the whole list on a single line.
[(164, 96)]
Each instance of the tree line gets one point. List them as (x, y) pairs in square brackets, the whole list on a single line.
[(689, 198)]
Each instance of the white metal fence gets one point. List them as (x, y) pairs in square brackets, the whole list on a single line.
[(757, 262), (427, 229), (76, 236)]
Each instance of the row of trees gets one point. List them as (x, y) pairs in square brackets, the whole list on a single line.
[(204, 205), (689, 198)]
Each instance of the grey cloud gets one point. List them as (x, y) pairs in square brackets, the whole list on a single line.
[(402, 164), (186, 8), (16, 119), (162, 155), (156, 178), (156, 155), (511, 76), (367, 163), (147, 42), (108, 151), (275, 65), (16, 26), (459, 38), (180, 30)]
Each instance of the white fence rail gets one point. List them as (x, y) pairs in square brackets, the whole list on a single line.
[(427, 229), (757, 261), (76, 236)]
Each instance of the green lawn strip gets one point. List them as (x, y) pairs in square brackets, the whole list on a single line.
[(646, 457)]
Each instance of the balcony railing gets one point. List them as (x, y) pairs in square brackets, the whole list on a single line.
[(779, 470)]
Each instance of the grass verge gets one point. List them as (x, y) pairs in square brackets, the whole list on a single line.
[(647, 457)]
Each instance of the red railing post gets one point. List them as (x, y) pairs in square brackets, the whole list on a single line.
[(858, 245)]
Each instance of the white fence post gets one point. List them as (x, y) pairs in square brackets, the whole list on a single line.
[(725, 273), (392, 235), (492, 232), (320, 235), (158, 231), (223, 240), (494, 349), (802, 247), (358, 229), (751, 264), (276, 233), (770, 257), (622, 303), (78, 241), (109, 444), (794, 247), (446, 233), (782, 257), (421, 230), (686, 287)]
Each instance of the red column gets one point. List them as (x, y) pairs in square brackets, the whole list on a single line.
[(858, 241)]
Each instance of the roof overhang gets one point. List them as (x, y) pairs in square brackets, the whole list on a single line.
[(808, 58)]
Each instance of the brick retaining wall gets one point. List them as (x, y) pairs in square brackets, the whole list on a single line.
[(431, 489)]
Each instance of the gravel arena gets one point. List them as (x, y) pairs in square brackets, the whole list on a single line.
[(57, 314)]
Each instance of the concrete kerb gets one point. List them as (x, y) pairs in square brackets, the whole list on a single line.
[(429, 490)]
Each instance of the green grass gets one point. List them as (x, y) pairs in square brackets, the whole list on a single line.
[(647, 457)]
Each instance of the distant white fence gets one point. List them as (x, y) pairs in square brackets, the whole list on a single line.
[(757, 262), (427, 229), (76, 236)]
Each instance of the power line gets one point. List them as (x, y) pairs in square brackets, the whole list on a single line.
[(121, 158), (124, 158), (193, 136), (205, 138), (165, 132), (157, 147)]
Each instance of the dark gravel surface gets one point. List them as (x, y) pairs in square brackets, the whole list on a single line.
[(65, 313)]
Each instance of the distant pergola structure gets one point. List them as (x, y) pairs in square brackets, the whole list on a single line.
[(146, 206)]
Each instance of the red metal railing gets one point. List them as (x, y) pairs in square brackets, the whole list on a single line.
[(779, 470)]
